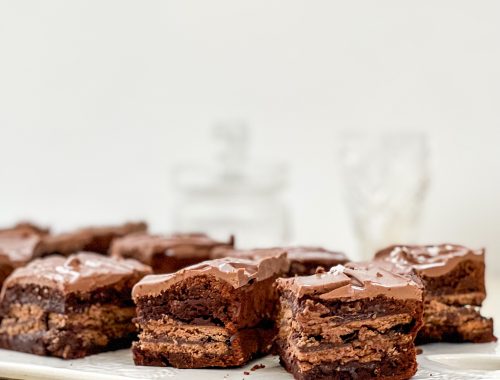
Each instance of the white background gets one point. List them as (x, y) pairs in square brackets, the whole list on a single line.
[(98, 99)]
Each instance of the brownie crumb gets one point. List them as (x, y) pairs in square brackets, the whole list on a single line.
[(320, 270), (246, 373), (257, 366), (419, 351)]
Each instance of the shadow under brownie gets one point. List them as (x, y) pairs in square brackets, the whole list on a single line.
[(70, 307), (355, 322), (453, 277), (218, 313)]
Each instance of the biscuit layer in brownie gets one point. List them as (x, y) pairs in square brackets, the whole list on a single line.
[(218, 313), (70, 307), (168, 254), (453, 277), (349, 323)]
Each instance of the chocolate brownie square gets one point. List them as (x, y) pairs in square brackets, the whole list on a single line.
[(17, 247), (356, 322), (70, 307), (303, 260), (218, 313), (89, 239), (306, 260), (168, 253), (453, 277)]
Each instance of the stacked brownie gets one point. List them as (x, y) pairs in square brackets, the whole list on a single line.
[(70, 307), (167, 254), (349, 323), (303, 260), (91, 239), (453, 277), (218, 313)]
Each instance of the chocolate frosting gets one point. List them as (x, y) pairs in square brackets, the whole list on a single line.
[(305, 254), (235, 271), (74, 241), (427, 260), (80, 272), (358, 281), (17, 247), (144, 246)]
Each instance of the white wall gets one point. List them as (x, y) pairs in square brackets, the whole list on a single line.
[(99, 98)]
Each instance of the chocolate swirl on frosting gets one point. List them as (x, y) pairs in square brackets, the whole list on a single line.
[(428, 260), (355, 281)]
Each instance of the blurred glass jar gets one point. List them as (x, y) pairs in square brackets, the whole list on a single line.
[(233, 195), (385, 177)]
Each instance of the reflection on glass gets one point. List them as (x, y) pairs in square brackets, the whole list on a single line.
[(385, 178)]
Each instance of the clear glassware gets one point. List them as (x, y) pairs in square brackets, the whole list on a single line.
[(385, 177), (232, 194)]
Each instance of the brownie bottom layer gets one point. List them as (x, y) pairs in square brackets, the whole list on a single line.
[(445, 323), (397, 364), (202, 347), (28, 328)]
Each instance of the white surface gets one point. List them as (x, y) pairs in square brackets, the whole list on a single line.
[(99, 98), (439, 361)]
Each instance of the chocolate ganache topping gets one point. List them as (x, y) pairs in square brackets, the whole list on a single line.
[(235, 271), (357, 281), (80, 272), (427, 260), (18, 247), (302, 254), (180, 244)]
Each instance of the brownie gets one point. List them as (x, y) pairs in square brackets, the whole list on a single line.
[(91, 239), (26, 227), (17, 247), (453, 277), (306, 260), (303, 260), (355, 322), (168, 253), (70, 307), (218, 313)]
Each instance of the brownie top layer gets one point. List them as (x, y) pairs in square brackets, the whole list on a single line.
[(80, 272), (26, 227), (428, 260), (249, 254), (17, 247), (144, 246), (307, 254), (357, 281), (235, 271), (74, 241)]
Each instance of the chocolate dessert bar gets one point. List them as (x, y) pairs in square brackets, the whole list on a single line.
[(356, 322), (306, 260), (17, 247), (70, 307), (167, 254), (302, 260), (453, 277), (91, 239), (217, 313)]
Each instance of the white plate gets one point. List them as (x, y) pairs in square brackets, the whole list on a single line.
[(438, 361)]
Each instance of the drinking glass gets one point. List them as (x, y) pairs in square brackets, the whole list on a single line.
[(385, 177)]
